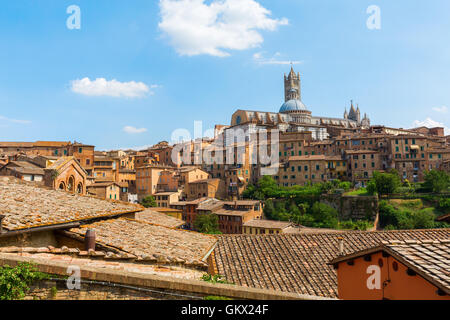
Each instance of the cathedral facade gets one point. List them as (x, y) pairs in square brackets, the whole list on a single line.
[(294, 116)]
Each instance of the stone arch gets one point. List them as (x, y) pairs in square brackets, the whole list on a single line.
[(71, 184), (62, 186)]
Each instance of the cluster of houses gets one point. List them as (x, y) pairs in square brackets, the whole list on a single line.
[(118, 244)]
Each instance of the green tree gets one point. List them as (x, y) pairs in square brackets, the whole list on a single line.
[(437, 181), (149, 202), (385, 183), (324, 216), (424, 219), (268, 187), (249, 192), (15, 282), (207, 223), (269, 209)]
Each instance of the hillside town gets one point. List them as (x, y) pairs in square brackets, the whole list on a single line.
[(304, 225)]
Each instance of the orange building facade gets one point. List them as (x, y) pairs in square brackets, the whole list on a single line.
[(385, 273)]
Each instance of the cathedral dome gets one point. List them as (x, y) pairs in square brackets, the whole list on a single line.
[(293, 105)]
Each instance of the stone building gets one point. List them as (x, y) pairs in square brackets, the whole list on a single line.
[(294, 116), (66, 174), (209, 188), (23, 170), (105, 190)]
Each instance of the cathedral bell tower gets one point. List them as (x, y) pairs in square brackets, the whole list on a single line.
[(292, 90)]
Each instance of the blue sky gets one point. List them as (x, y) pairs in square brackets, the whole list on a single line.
[(175, 62)]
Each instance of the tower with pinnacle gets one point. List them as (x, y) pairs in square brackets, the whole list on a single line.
[(292, 86)]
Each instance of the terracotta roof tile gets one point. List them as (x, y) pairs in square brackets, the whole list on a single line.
[(159, 218), (299, 262), (27, 206), (150, 240)]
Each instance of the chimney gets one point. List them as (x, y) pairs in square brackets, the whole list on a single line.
[(341, 246), (89, 240), (1, 222)]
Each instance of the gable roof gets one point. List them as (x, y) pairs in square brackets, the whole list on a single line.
[(152, 241), (26, 206), (299, 262), (62, 161), (430, 259)]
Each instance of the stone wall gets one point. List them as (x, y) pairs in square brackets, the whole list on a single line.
[(33, 239), (353, 207), (96, 281), (57, 290)]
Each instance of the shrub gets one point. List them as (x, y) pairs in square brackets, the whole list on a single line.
[(207, 223), (15, 282), (149, 202), (436, 181), (217, 278)]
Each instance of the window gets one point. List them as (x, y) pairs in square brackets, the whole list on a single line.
[(299, 168), (373, 164), (306, 168), (397, 149), (80, 150), (56, 152), (317, 167)]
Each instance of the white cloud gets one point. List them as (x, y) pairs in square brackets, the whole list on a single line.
[(133, 130), (14, 120), (112, 88), (195, 27), (430, 123), (260, 59), (442, 109)]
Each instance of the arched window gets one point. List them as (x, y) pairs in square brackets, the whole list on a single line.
[(71, 184), (62, 186), (80, 188)]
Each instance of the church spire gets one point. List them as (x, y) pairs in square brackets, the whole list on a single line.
[(292, 86)]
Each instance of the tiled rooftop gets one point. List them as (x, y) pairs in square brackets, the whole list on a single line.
[(260, 223), (28, 206), (299, 262), (151, 241), (159, 218), (100, 259), (431, 259)]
